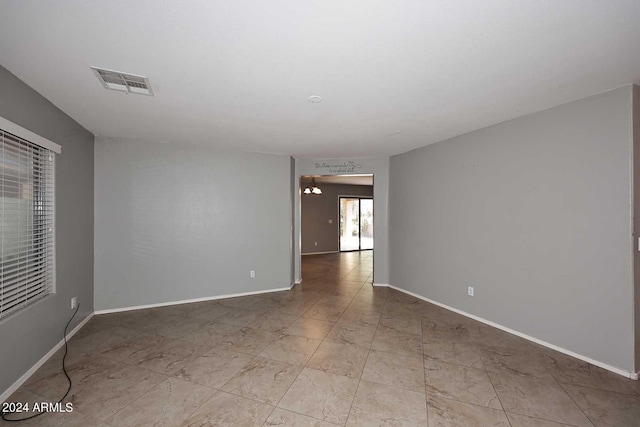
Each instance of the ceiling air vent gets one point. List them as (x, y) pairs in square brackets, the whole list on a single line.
[(123, 82)]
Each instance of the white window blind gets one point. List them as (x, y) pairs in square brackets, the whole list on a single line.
[(27, 265)]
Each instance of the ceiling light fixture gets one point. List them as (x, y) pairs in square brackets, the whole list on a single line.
[(314, 189)]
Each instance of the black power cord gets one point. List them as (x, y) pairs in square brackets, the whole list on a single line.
[(64, 369)]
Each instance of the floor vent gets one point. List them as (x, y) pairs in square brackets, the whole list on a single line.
[(123, 82)]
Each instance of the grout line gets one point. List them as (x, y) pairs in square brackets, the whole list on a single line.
[(574, 402), (365, 362)]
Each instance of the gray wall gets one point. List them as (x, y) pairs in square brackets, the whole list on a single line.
[(379, 167), (178, 222), (35, 330), (293, 188), (636, 221), (317, 210), (536, 214)]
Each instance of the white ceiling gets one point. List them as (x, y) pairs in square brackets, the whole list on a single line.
[(393, 75)]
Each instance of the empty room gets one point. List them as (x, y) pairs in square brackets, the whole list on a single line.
[(320, 213)]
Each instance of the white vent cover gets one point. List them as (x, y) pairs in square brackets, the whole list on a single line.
[(123, 82)]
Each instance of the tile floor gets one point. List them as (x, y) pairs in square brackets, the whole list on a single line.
[(333, 351)]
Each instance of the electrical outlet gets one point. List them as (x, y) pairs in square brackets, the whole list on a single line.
[(470, 291), (252, 274), (316, 243), (330, 221), (74, 303)]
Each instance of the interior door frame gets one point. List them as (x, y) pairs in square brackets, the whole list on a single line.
[(340, 197)]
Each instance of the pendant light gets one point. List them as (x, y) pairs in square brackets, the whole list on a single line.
[(314, 189)]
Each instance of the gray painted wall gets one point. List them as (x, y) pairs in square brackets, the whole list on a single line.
[(317, 210), (379, 167), (536, 214), (293, 188), (636, 221), (37, 329), (179, 222)]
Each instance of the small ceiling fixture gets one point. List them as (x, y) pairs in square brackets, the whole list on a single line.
[(123, 82), (315, 99), (313, 189)]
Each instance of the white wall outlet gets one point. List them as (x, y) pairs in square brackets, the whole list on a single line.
[(316, 243), (74, 303), (330, 221), (470, 291), (252, 274)]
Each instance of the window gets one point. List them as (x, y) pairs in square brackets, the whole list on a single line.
[(27, 265)]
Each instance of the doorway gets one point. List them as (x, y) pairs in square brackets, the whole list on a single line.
[(356, 223)]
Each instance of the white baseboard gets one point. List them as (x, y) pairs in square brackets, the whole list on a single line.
[(635, 375), (602, 365), (16, 385), (188, 301), (297, 282), (320, 253), (381, 285)]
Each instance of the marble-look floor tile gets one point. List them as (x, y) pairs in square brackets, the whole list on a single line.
[(211, 333), (359, 316), (395, 370), (250, 302), (324, 312), (167, 404), (54, 384), (451, 413), (240, 317), (403, 309), (438, 329), (518, 420), (606, 408), (454, 352), (214, 368), (538, 397), (170, 355), (101, 341), (382, 405), (50, 419), (227, 410), (291, 349), (178, 327), (339, 359), (397, 342), (519, 362), (335, 301), (209, 311), (264, 380), (55, 419), (368, 303), (247, 340), (350, 333), (282, 418), (569, 370), (321, 395), (469, 385), (131, 350), (407, 325), (310, 328), (112, 391), (273, 321)]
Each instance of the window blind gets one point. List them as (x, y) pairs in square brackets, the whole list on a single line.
[(27, 265)]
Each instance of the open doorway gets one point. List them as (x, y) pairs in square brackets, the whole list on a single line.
[(336, 213), (356, 223)]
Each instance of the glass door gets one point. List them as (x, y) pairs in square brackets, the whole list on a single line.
[(366, 224), (356, 223)]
